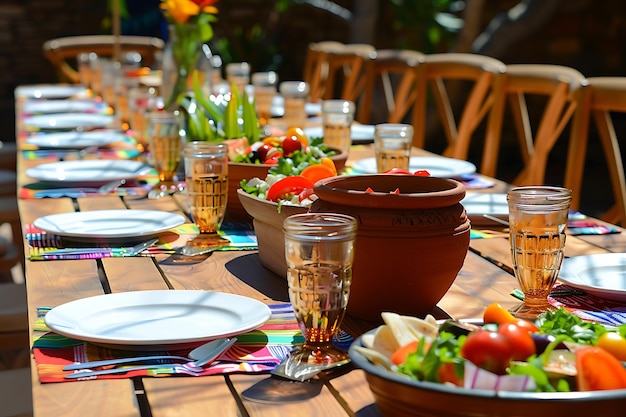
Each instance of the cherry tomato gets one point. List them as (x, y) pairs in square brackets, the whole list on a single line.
[(421, 173), (529, 326), (317, 172), (263, 151), (291, 144), (400, 171), (597, 369), (294, 184), (488, 350), (447, 373), (521, 341), (400, 355), (614, 344), (495, 313), (299, 134)]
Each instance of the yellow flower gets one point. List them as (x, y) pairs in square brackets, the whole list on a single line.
[(182, 10)]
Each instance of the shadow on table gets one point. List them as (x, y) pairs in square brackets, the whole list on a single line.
[(248, 269)]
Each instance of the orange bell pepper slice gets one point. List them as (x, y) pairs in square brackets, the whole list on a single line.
[(317, 172)]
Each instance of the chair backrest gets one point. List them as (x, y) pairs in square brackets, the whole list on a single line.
[(390, 72), (447, 75), (335, 70), (599, 97), (559, 87), (316, 66), (63, 52)]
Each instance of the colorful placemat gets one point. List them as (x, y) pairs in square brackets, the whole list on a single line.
[(41, 244), (260, 350)]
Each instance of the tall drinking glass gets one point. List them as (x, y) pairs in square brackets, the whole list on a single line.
[(392, 145), (164, 143), (537, 222), (295, 95), (319, 254), (206, 177), (337, 118)]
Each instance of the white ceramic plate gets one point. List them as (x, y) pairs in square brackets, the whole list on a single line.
[(76, 140), (68, 121), (437, 166), (62, 106), (159, 317), (359, 133), (477, 205), (88, 171), (603, 275), (50, 91), (109, 224)]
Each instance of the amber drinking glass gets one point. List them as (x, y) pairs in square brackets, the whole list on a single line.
[(537, 222), (319, 250)]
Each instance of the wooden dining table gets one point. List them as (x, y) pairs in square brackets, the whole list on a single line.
[(484, 278)]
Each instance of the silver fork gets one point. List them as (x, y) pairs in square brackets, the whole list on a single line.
[(125, 251)]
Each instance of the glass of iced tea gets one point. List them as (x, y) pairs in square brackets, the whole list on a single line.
[(164, 143), (206, 178), (392, 145), (537, 222), (319, 250)]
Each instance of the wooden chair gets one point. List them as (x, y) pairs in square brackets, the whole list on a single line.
[(447, 75), (392, 72), (559, 87), (599, 97), (335, 70), (316, 66), (61, 51)]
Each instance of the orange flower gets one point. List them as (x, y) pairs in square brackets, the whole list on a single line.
[(182, 10)]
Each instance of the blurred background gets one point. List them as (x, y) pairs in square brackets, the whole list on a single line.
[(273, 35)]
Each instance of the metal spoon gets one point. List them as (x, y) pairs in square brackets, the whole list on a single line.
[(202, 355)]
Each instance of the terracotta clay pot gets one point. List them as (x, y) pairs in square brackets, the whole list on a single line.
[(409, 246), (240, 171)]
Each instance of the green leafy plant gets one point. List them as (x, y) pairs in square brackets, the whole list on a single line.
[(210, 121)]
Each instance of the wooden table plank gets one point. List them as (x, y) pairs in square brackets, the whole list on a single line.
[(323, 404), (190, 396)]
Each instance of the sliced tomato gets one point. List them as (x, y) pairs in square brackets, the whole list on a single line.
[(447, 373), (369, 190), (306, 193), (400, 171), (317, 172), (289, 185), (400, 355), (598, 370), (421, 173)]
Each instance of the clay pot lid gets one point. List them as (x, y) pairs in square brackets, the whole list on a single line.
[(416, 192)]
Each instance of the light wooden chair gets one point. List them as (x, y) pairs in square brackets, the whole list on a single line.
[(63, 52), (558, 86), (599, 98), (454, 76), (335, 70), (315, 71), (392, 73)]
